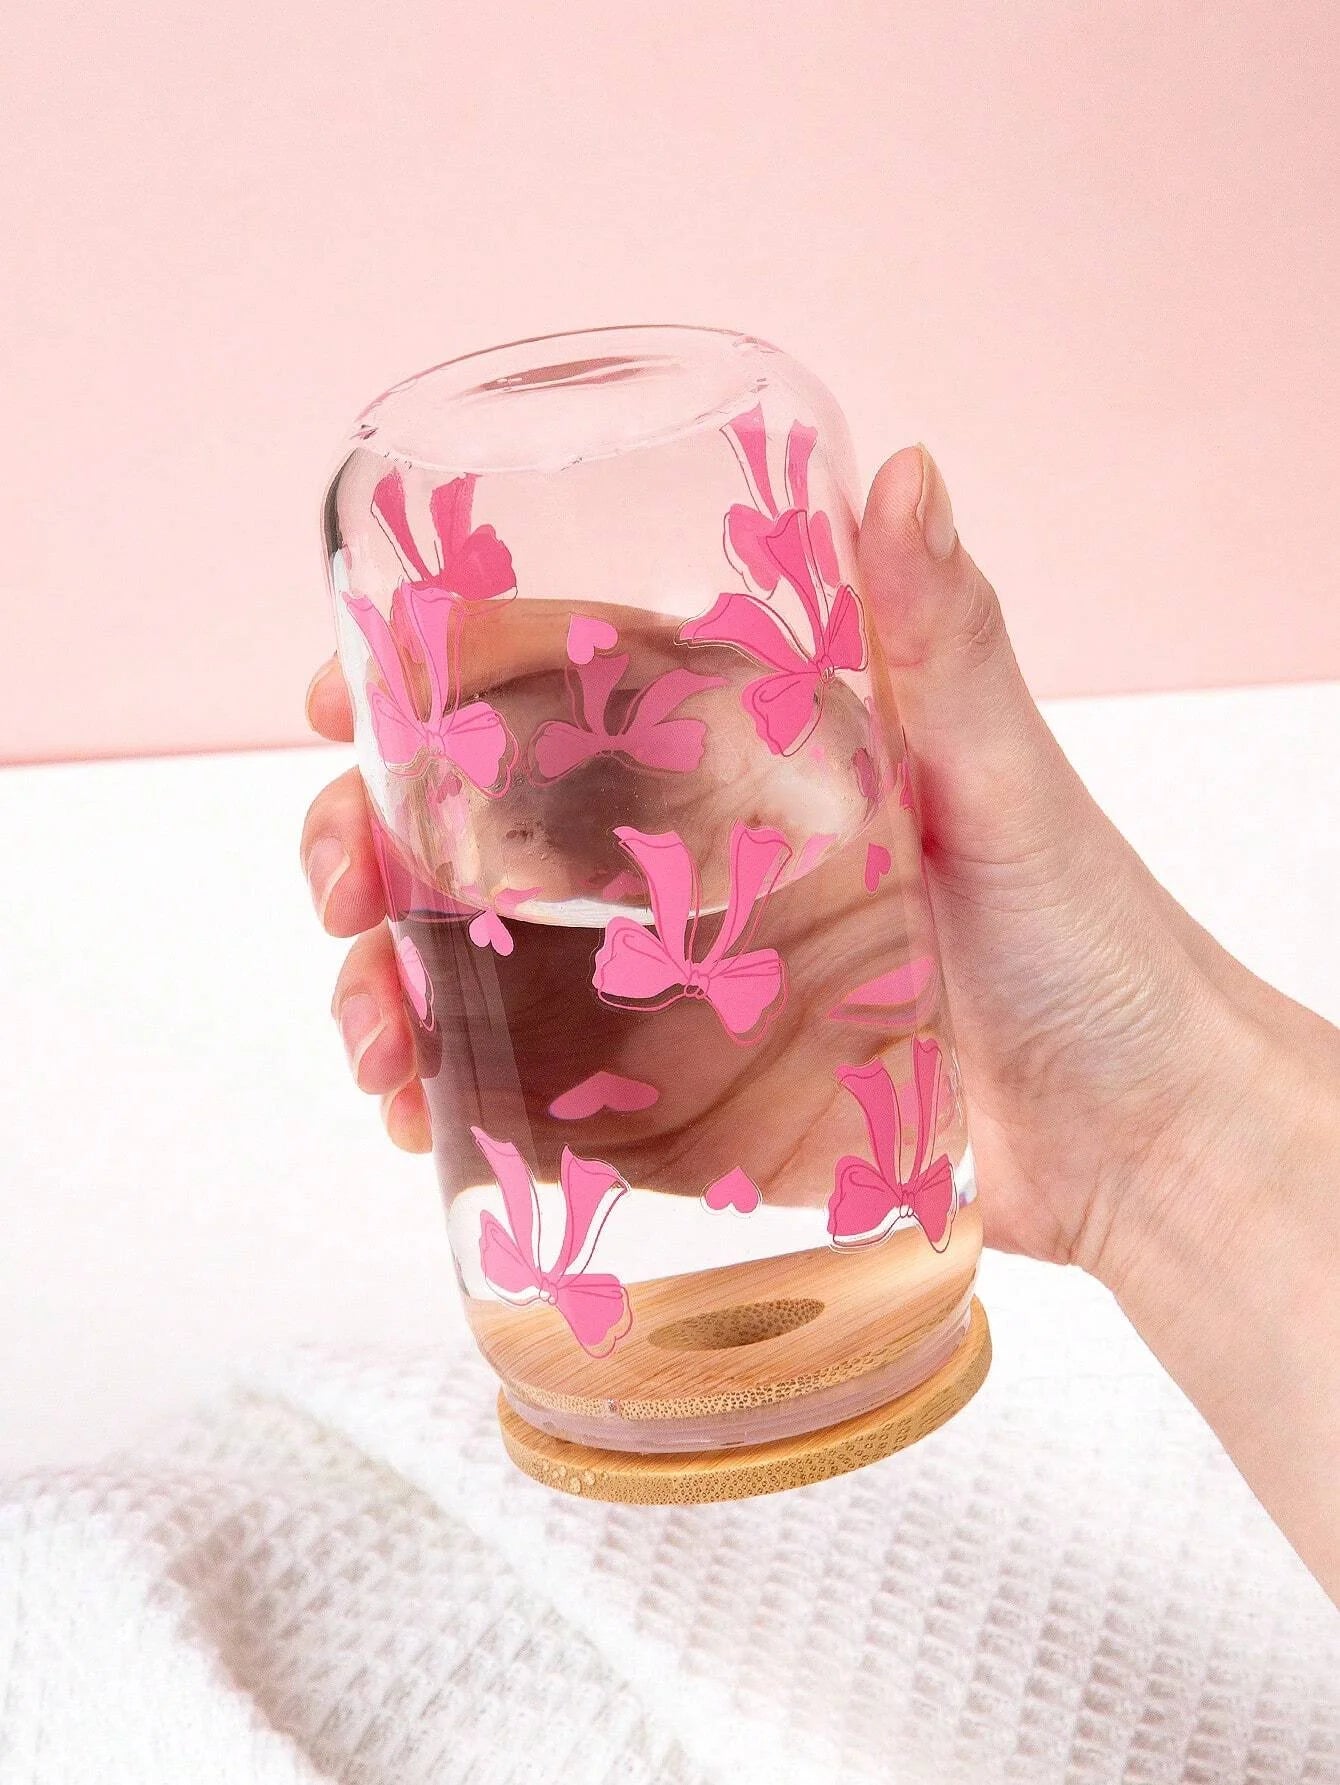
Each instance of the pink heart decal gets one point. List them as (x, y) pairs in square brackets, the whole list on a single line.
[(626, 888), (902, 986), (878, 861), (603, 1090), (814, 847), (488, 930), (737, 1191), (587, 636)]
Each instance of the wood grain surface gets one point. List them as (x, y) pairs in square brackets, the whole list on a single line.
[(681, 1480), (742, 1336)]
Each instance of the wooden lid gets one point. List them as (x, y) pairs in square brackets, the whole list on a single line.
[(736, 1474)]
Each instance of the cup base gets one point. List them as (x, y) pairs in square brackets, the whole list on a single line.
[(743, 1471), (743, 1354)]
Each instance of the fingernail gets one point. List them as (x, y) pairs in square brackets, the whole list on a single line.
[(361, 1022), (935, 513), (314, 684), (327, 864)]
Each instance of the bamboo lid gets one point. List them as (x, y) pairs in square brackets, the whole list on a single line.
[(735, 1474)]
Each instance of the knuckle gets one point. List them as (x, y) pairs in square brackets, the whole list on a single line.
[(981, 629), (334, 810), (310, 822), (369, 965)]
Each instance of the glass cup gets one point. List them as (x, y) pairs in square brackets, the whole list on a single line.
[(646, 826)]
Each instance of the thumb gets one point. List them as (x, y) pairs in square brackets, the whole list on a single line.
[(992, 784)]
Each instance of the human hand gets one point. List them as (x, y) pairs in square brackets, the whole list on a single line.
[(1140, 1104), (1089, 1009)]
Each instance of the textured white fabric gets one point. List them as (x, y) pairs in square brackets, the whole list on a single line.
[(333, 1574)]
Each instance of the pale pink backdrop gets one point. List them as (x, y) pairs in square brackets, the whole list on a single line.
[(1089, 252)]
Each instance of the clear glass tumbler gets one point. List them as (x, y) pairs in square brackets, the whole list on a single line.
[(647, 830)]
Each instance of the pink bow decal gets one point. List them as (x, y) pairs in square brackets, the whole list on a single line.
[(595, 1307), (785, 704), (646, 734), (414, 980), (637, 968), (867, 1199), (902, 783), (865, 768), (416, 713), (473, 564), (747, 529)]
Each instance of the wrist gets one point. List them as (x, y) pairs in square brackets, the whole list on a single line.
[(1238, 1169), (1225, 1253)]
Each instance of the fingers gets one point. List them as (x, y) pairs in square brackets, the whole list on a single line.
[(338, 860), (329, 711), (990, 778), (370, 1011), (346, 889), (378, 1039), (405, 1116)]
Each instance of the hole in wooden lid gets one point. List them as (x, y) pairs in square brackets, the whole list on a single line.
[(746, 1324)]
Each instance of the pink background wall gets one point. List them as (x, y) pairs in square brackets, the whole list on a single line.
[(1089, 252)]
